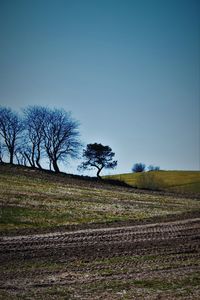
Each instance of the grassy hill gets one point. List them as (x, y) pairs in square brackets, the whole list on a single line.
[(178, 181), (33, 199), (67, 237)]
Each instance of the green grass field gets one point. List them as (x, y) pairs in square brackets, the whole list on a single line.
[(178, 181), (33, 199)]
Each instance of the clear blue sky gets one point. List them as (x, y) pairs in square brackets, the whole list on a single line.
[(128, 70)]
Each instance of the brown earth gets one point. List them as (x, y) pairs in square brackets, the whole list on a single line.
[(150, 261)]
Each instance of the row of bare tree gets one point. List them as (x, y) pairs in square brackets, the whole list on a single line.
[(38, 133)]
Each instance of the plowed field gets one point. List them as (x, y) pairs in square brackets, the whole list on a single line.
[(63, 237), (153, 261)]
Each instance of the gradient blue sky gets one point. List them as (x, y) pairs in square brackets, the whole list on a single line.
[(128, 70)]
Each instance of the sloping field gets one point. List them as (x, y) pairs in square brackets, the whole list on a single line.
[(67, 238), (38, 200), (157, 261), (178, 181)]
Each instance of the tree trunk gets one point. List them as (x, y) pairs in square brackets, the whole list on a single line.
[(18, 160), (99, 170), (29, 160), (38, 157), (32, 156), (38, 164), (50, 164), (11, 156), (55, 166)]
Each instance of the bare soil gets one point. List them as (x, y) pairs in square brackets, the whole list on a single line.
[(149, 261)]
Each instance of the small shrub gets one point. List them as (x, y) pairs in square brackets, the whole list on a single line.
[(138, 167), (153, 168)]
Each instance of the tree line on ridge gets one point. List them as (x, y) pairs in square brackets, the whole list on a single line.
[(41, 132)]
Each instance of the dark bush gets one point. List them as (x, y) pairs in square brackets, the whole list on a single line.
[(138, 167), (153, 168)]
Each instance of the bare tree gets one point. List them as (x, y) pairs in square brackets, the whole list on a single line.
[(61, 137), (28, 153), (20, 156), (35, 120), (99, 157), (11, 128)]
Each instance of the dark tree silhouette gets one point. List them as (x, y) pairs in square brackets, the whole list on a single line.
[(138, 167), (27, 151), (11, 128), (99, 157), (153, 168), (20, 155), (61, 137), (35, 120), (1, 152)]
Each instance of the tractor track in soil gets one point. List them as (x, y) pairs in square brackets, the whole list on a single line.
[(122, 238), (173, 249)]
